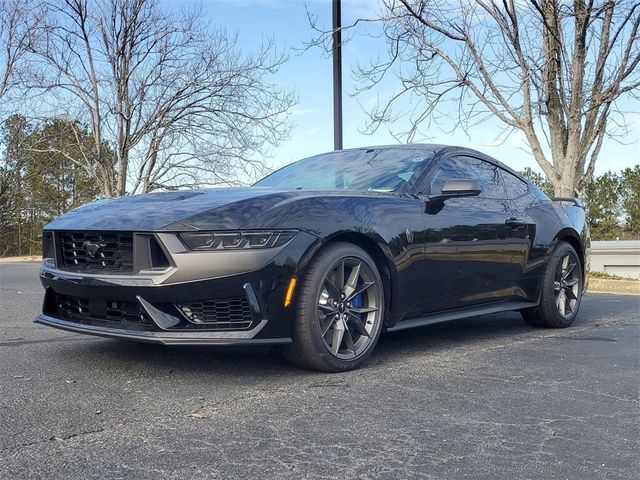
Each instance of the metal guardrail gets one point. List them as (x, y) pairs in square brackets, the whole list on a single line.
[(616, 257)]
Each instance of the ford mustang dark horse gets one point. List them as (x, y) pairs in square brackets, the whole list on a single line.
[(320, 256)]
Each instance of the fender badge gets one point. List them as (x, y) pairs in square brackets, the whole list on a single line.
[(409, 233)]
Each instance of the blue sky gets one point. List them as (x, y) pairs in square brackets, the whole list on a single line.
[(309, 73)]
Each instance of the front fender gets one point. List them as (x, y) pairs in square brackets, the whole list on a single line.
[(390, 228)]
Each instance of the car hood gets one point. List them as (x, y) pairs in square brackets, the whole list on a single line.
[(206, 209), (178, 210)]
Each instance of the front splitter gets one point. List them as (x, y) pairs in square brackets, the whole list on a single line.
[(165, 337)]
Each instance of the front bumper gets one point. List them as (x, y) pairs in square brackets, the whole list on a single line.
[(138, 308)]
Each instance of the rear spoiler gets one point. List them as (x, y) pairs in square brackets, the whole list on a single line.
[(573, 200)]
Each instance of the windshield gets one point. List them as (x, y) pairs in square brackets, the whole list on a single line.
[(376, 170)]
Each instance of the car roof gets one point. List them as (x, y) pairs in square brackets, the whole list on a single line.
[(440, 150), (400, 146)]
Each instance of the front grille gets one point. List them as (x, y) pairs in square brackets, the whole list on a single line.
[(96, 252), (116, 313), (225, 314)]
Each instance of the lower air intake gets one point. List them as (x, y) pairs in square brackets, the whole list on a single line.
[(224, 314), (113, 313)]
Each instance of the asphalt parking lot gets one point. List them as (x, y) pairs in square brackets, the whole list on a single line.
[(488, 397)]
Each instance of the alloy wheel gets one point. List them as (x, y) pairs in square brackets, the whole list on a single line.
[(566, 285), (349, 308)]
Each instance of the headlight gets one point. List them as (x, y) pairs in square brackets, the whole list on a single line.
[(237, 240)]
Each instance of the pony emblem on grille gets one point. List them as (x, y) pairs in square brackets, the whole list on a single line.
[(93, 249)]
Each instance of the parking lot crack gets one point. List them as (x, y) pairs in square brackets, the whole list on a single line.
[(67, 338), (55, 438)]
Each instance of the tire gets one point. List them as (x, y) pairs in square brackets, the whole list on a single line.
[(562, 278), (339, 316)]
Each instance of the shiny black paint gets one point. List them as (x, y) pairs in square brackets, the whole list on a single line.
[(456, 254), (475, 254)]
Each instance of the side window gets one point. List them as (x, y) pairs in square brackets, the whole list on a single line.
[(515, 187), (488, 175), (451, 168)]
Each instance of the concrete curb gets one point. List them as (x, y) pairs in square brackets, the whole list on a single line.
[(605, 285), (28, 258)]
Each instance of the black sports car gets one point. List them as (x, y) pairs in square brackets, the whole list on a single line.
[(320, 256)]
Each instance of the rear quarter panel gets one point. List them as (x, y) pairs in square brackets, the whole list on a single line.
[(553, 222)]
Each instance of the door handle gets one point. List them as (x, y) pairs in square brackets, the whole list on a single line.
[(515, 223)]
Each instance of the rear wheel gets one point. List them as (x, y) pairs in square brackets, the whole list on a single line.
[(339, 310), (561, 290)]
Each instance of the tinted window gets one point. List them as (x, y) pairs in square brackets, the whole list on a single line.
[(488, 175), (379, 170), (515, 187)]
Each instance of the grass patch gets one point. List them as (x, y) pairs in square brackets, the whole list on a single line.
[(608, 276)]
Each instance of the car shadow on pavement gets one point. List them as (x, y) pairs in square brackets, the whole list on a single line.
[(268, 361)]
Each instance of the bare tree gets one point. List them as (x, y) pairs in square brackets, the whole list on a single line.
[(18, 27), (177, 101), (556, 71)]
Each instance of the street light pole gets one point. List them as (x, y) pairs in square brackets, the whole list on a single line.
[(337, 74)]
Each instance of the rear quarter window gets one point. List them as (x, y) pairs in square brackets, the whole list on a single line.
[(515, 187)]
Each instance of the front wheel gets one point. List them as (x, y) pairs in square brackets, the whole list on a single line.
[(561, 290), (340, 310)]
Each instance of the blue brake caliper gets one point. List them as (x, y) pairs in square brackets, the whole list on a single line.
[(357, 303)]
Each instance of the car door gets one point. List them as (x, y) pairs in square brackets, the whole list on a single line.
[(469, 256)]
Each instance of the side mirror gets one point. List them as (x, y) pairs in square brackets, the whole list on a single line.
[(454, 188), (460, 188)]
